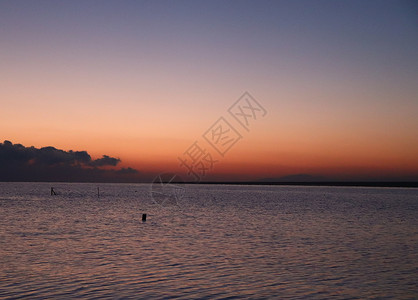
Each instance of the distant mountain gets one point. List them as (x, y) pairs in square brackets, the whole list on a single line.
[(295, 178)]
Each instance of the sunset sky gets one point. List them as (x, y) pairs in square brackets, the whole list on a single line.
[(143, 80)]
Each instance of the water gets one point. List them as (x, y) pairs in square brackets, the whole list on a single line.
[(219, 242)]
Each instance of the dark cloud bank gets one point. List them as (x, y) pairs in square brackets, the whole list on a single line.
[(20, 163)]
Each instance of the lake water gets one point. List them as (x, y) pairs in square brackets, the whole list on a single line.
[(215, 242)]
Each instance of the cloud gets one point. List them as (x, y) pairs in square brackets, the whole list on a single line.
[(105, 161), (10, 152), (20, 163)]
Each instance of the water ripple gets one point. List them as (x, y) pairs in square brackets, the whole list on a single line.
[(224, 242)]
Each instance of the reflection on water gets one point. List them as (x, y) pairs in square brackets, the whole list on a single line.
[(220, 242)]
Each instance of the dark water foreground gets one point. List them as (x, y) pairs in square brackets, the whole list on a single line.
[(219, 242)]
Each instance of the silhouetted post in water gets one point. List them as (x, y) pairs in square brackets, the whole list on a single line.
[(144, 217), (98, 192), (53, 192)]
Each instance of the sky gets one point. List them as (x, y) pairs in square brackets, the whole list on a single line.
[(142, 81)]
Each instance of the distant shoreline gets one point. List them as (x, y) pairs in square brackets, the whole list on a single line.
[(403, 184), (322, 183)]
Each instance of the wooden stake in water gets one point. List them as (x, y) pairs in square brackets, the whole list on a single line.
[(144, 217), (98, 192)]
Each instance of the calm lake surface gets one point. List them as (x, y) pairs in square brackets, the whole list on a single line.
[(215, 242)]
